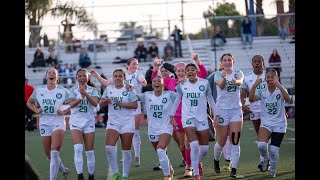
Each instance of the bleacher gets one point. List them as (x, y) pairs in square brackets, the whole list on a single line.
[(261, 45)]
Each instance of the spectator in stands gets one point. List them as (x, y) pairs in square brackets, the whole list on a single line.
[(52, 120), (275, 62), (83, 99), (168, 52), (246, 32), (141, 52), (52, 57), (177, 37), (38, 59), (274, 121), (84, 59), (153, 50), (283, 32), (67, 76), (218, 38), (67, 34), (28, 90)]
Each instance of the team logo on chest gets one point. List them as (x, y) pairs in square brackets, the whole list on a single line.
[(164, 100), (59, 95), (124, 93), (278, 96), (202, 88)]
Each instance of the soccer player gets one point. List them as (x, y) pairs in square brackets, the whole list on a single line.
[(47, 100), (272, 96), (228, 105), (82, 100), (121, 104), (133, 76), (195, 93), (158, 104), (257, 63)]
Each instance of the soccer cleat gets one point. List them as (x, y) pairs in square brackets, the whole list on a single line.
[(216, 166), (124, 178), (91, 177), (271, 175), (200, 166), (183, 163), (227, 166), (80, 177), (188, 173), (137, 161), (260, 165), (65, 174), (264, 166), (116, 176), (197, 177), (167, 178), (157, 167), (233, 173)]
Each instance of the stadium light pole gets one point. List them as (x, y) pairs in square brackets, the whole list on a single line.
[(214, 44)]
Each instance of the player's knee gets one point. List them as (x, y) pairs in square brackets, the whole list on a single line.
[(235, 139), (276, 139), (262, 146)]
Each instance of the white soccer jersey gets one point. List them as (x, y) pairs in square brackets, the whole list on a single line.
[(133, 79), (249, 80), (272, 107), (50, 101), (84, 111), (194, 99), (229, 97), (118, 115), (158, 110)]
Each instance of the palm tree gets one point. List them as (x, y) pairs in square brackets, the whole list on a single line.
[(36, 10)]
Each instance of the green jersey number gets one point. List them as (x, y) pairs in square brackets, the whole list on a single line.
[(83, 109), (231, 88), (272, 111), (194, 102), (48, 109), (116, 107), (157, 115)]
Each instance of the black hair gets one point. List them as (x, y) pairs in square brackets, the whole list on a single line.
[(89, 83), (193, 65)]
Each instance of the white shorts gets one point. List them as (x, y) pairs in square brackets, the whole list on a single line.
[(88, 127), (230, 115), (138, 110), (156, 137), (254, 116), (200, 126), (278, 129), (47, 130), (124, 128)]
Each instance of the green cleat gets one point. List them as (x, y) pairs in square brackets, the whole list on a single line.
[(116, 176)]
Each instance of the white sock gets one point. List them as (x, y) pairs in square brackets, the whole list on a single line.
[(91, 161), (263, 150), (62, 169), (136, 142), (112, 158), (227, 149), (126, 162), (274, 157), (235, 155), (194, 155), (203, 152), (164, 161), (54, 164), (217, 150), (78, 159)]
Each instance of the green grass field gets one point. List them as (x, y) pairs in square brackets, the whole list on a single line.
[(249, 157)]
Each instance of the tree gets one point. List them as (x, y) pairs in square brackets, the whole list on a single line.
[(259, 20), (36, 10), (224, 9)]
